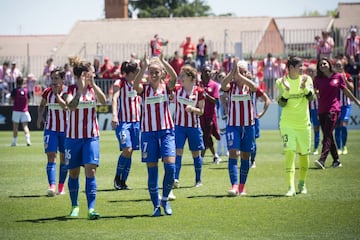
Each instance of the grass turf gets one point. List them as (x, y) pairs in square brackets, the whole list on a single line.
[(330, 210)]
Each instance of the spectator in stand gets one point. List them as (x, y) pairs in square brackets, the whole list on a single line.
[(188, 47), (115, 72), (316, 46), (341, 129), (177, 62), (269, 74), (352, 45), (4, 70), (328, 86), (30, 84), (54, 130), (13, 74), (279, 68), (190, 61), (69, 75), (156, 45), (49, 66), (353, 68), (227, 64), (82, 135), (20, 114), (201, 53), (326, 45), (208, 120), (4, 88), (134, 58), (214, 62), (253, 67), (97, 65), (105, 69)]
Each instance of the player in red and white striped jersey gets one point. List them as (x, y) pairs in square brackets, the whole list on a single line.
[(126, 121), (189, 106), (158, 136), (341, 129), (240, 129), (82, 135), (54, 129)]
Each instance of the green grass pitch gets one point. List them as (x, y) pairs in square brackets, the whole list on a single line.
[(330, 210)]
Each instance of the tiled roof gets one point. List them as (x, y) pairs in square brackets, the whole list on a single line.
[(114, 31), (34, 45), (302, 30)]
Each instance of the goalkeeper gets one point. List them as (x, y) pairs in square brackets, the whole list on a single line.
[(295, 91)]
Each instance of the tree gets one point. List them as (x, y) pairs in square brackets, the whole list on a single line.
[(169, 8)]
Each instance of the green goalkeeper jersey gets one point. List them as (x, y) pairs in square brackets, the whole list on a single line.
[(295, 114)]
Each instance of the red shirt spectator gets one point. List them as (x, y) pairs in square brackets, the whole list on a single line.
[(105, 69), (188, 47), (177, 62), (156, 45)]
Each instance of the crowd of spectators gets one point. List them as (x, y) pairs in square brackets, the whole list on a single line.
[(266, 70)]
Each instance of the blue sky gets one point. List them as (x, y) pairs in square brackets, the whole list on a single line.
[(29, 17)]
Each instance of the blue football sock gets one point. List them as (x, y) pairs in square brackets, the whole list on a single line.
[(233, 171), (244, 170), (316, 139), (177, 166), (90, 188), (344, 134), (198, 168), (253, 153), (120, 166), (73, 185), (125, 173), (153, 186), (338, 137), (51, 172), (169, 177), (63, 172)]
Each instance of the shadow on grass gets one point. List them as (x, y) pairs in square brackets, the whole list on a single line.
[(246, 196), (28, 196), (130, 200), (42, 220)]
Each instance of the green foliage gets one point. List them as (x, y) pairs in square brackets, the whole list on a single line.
[(329, 211), (168, 8)]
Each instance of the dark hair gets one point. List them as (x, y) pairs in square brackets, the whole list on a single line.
[(60, 71), (79, 66), (319, 73), (293, 61), (19, 81), (128, 67)]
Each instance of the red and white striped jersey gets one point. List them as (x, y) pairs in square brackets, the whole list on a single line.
[(182, 99), (82, 122), (344, 100), (56, 115), (314, 104), (240, 108), (128, 102), (155, 109)]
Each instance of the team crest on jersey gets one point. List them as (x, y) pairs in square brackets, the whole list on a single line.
[(209, 89), (335, 81), (230, 142)]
